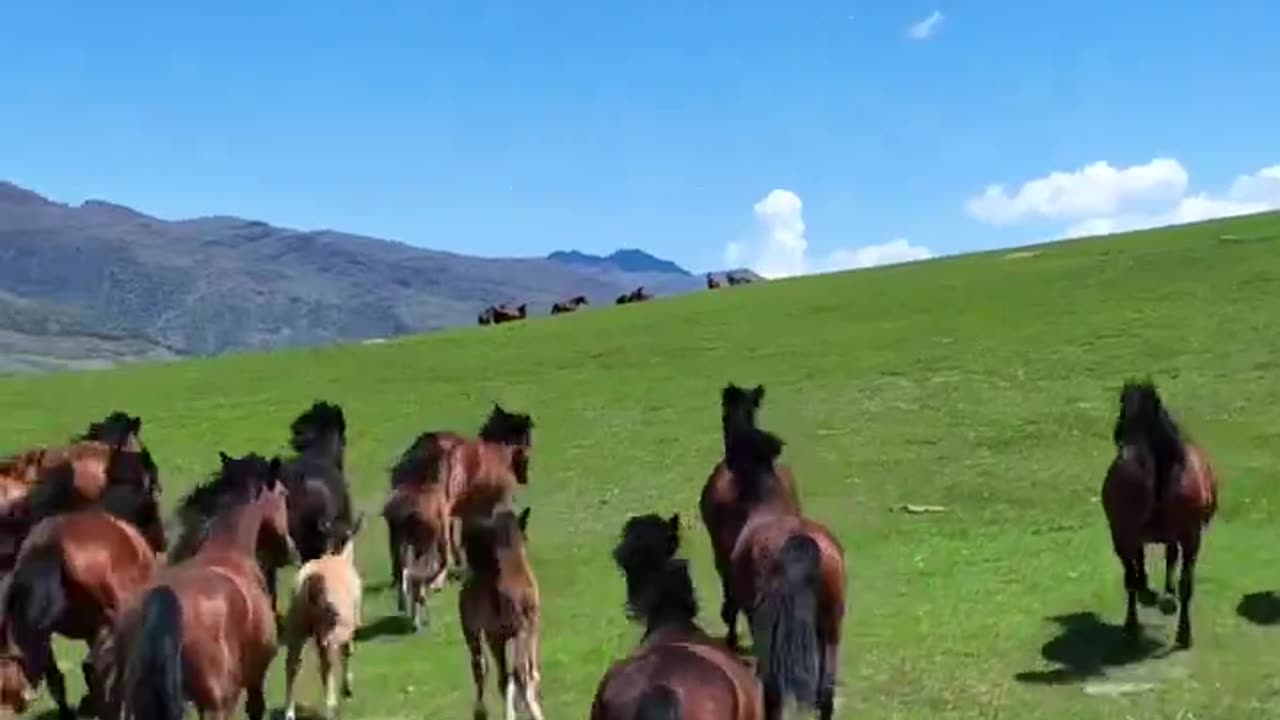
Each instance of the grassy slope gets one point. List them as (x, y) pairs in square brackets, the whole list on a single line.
[(983, 383)]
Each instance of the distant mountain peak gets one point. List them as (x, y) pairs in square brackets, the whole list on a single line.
[(631, 260), (15, 196)]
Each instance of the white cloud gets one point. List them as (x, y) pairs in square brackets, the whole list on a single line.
[(1095, 189), (780, 248), (927, 27), (1099, 199)]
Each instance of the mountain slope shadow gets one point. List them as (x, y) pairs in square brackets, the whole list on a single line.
[(1260, 608), (1085, 647)]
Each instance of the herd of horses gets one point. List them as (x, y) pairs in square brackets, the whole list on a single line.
[(505, 312), (85, 555)]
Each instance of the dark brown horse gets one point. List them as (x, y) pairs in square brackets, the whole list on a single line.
[(203, 630), (712, 282), (790, 572), (499, 607), (677, 672), (505, 313), (722, 511), (1160, 489), (569, 305), (735, 279), (319, 498), (485, 317), (74, 572), (417, 516), (481, 473), (637, 295)]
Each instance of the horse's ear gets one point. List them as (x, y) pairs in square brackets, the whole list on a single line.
[(673, 522), (758, 393), (523, 520), (274, 468), (223, 457), (359, 523)]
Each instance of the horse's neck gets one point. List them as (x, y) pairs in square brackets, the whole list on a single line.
[(237, 531)]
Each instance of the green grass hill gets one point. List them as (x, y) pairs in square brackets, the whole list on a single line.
[(984, 383)]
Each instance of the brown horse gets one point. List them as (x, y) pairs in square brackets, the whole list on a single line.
[(481, 473), (417, 516), (569, 305), (18, 474), (485, 317), (74, 572), (499, 607), (790, 571), (738, 279), (678, 672), (712, 282), (1162, 489), (722, 511), (204, 629), (637, 295), (505, 313)]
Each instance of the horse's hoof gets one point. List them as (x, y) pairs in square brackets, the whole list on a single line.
[(1184, 640)]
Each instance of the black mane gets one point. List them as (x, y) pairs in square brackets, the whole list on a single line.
[(416, 464), (648, 543), (1143, 420), (322, 423), (738, 408), (236, 482), (506, 428), (483, 538), (750, 454), (114, 429)]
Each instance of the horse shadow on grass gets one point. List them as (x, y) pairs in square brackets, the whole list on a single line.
[(1085, 648), (1260, 608), (387, 625)]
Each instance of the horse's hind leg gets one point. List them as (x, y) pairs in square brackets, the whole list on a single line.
[(476, 651), (292, 664), (1170, 566), (1132, 583), (827, 680), (329, 661), (504, 677), (57, 685), (1186, 586), (347, 649), (255, 703)]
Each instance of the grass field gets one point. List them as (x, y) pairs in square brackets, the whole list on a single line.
[(984, 383)]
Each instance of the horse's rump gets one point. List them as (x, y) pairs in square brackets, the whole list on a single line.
[(1128, 494), (691, 673)]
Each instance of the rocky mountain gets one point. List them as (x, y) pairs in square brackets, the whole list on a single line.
[(214, 284)]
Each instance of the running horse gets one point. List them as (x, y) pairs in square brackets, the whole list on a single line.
[(480, 474), (637, 295), (712, 282), (74, 572), (722, 511), (505, 313), (1160, 489), (203, 629), (416, 513), (499, 607), (789, 571), (319, 497), (569, 305), (677, 672)]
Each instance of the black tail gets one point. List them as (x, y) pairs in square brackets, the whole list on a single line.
[(658, 703), (785, 627), (156, 670), (36, 599)]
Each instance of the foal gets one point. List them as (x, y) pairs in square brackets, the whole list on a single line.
[(499, 606), (325, 609), (416, 513), (677, 672), (204, 631)]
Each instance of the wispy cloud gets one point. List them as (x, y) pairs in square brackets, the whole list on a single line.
[(927, 27), (781, 249)]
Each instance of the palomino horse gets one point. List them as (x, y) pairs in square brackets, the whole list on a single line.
[(790, 571), (712, 282), (637, 295), (319, 499), (722, 512), (678, 672), (480, 473), (326, 610), (1159, 489), (500, 608), (74, 572), (569, 305), (417, 513), (204, 628)]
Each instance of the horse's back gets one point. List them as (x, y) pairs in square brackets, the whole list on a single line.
[(709, 683)]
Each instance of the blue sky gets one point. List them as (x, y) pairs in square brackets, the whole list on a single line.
[(519, 127)]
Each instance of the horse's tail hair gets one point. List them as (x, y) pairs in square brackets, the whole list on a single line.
[(659, 702), (36, 598), (156, 669), (786, 624)]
